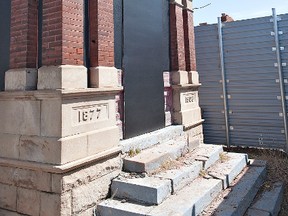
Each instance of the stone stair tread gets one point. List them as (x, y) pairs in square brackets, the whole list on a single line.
[(207, 153), (228, 167), (269, 201), (150, 190), (148, 140), (152, 158), (242, 194), (118, 207), (190, 200), (181, 176)]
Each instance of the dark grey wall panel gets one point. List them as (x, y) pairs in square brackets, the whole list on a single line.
[(118, 31), (143, 65), (5, 14)]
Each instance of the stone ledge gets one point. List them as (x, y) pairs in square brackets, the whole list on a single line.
[(186, 86), (177, 2), (59, 93), (195, 124), (61, 168)]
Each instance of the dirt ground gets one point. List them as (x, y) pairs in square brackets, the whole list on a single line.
[(277, 169)]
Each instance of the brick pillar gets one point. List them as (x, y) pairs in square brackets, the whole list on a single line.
[(101, 18), (190, 55), (176, 38), (185, 83), (63, 45), (23, 46)]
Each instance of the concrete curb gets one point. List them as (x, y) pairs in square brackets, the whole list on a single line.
[(269, 202), (241, 196)]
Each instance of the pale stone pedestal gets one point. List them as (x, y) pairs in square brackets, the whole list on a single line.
[(101, 77), (21, 79), (58, 150), (186, 110), (62, 77)]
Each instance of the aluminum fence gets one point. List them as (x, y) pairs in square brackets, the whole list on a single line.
[(244, 76)]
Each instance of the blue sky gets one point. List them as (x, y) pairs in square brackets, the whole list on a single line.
[(238, 9)]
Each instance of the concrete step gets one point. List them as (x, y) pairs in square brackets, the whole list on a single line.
[(154, 189), (182, 176), (153, 158), (268, 202), (228, 167), (169, 179), (150, 190), (145, 141), (235, 201), (207, 154), (190, 200)]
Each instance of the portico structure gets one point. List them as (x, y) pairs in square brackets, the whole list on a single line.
[(60, 130)]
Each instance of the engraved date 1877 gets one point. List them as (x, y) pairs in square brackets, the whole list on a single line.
[(89, 114)]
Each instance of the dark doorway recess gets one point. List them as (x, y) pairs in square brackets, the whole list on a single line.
[(145, 55), (5, 14)]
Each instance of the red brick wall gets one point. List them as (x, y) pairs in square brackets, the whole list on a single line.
[(177, 47), (189, 39), (23, 45), (101, 33), (63, 27)]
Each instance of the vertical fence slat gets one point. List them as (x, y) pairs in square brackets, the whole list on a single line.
[(280, 72)]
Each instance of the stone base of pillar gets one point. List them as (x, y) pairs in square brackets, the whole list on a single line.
[(101, 77), (188, 4), (193, 77), (58, 127), (194, 136), (62, 77), (59, 150), (21, 79), (179, 77), (186, 110), (31, 189)]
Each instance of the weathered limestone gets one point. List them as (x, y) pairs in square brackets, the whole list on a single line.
[(193, 77), (179, 77), (186, 105), (62, 77), (57, 127), (36, 192), (58, 150), (188, 4), (102, 77), (21, 79)]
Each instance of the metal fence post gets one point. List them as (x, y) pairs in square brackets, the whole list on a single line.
[(280, 72), (224, 86)]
